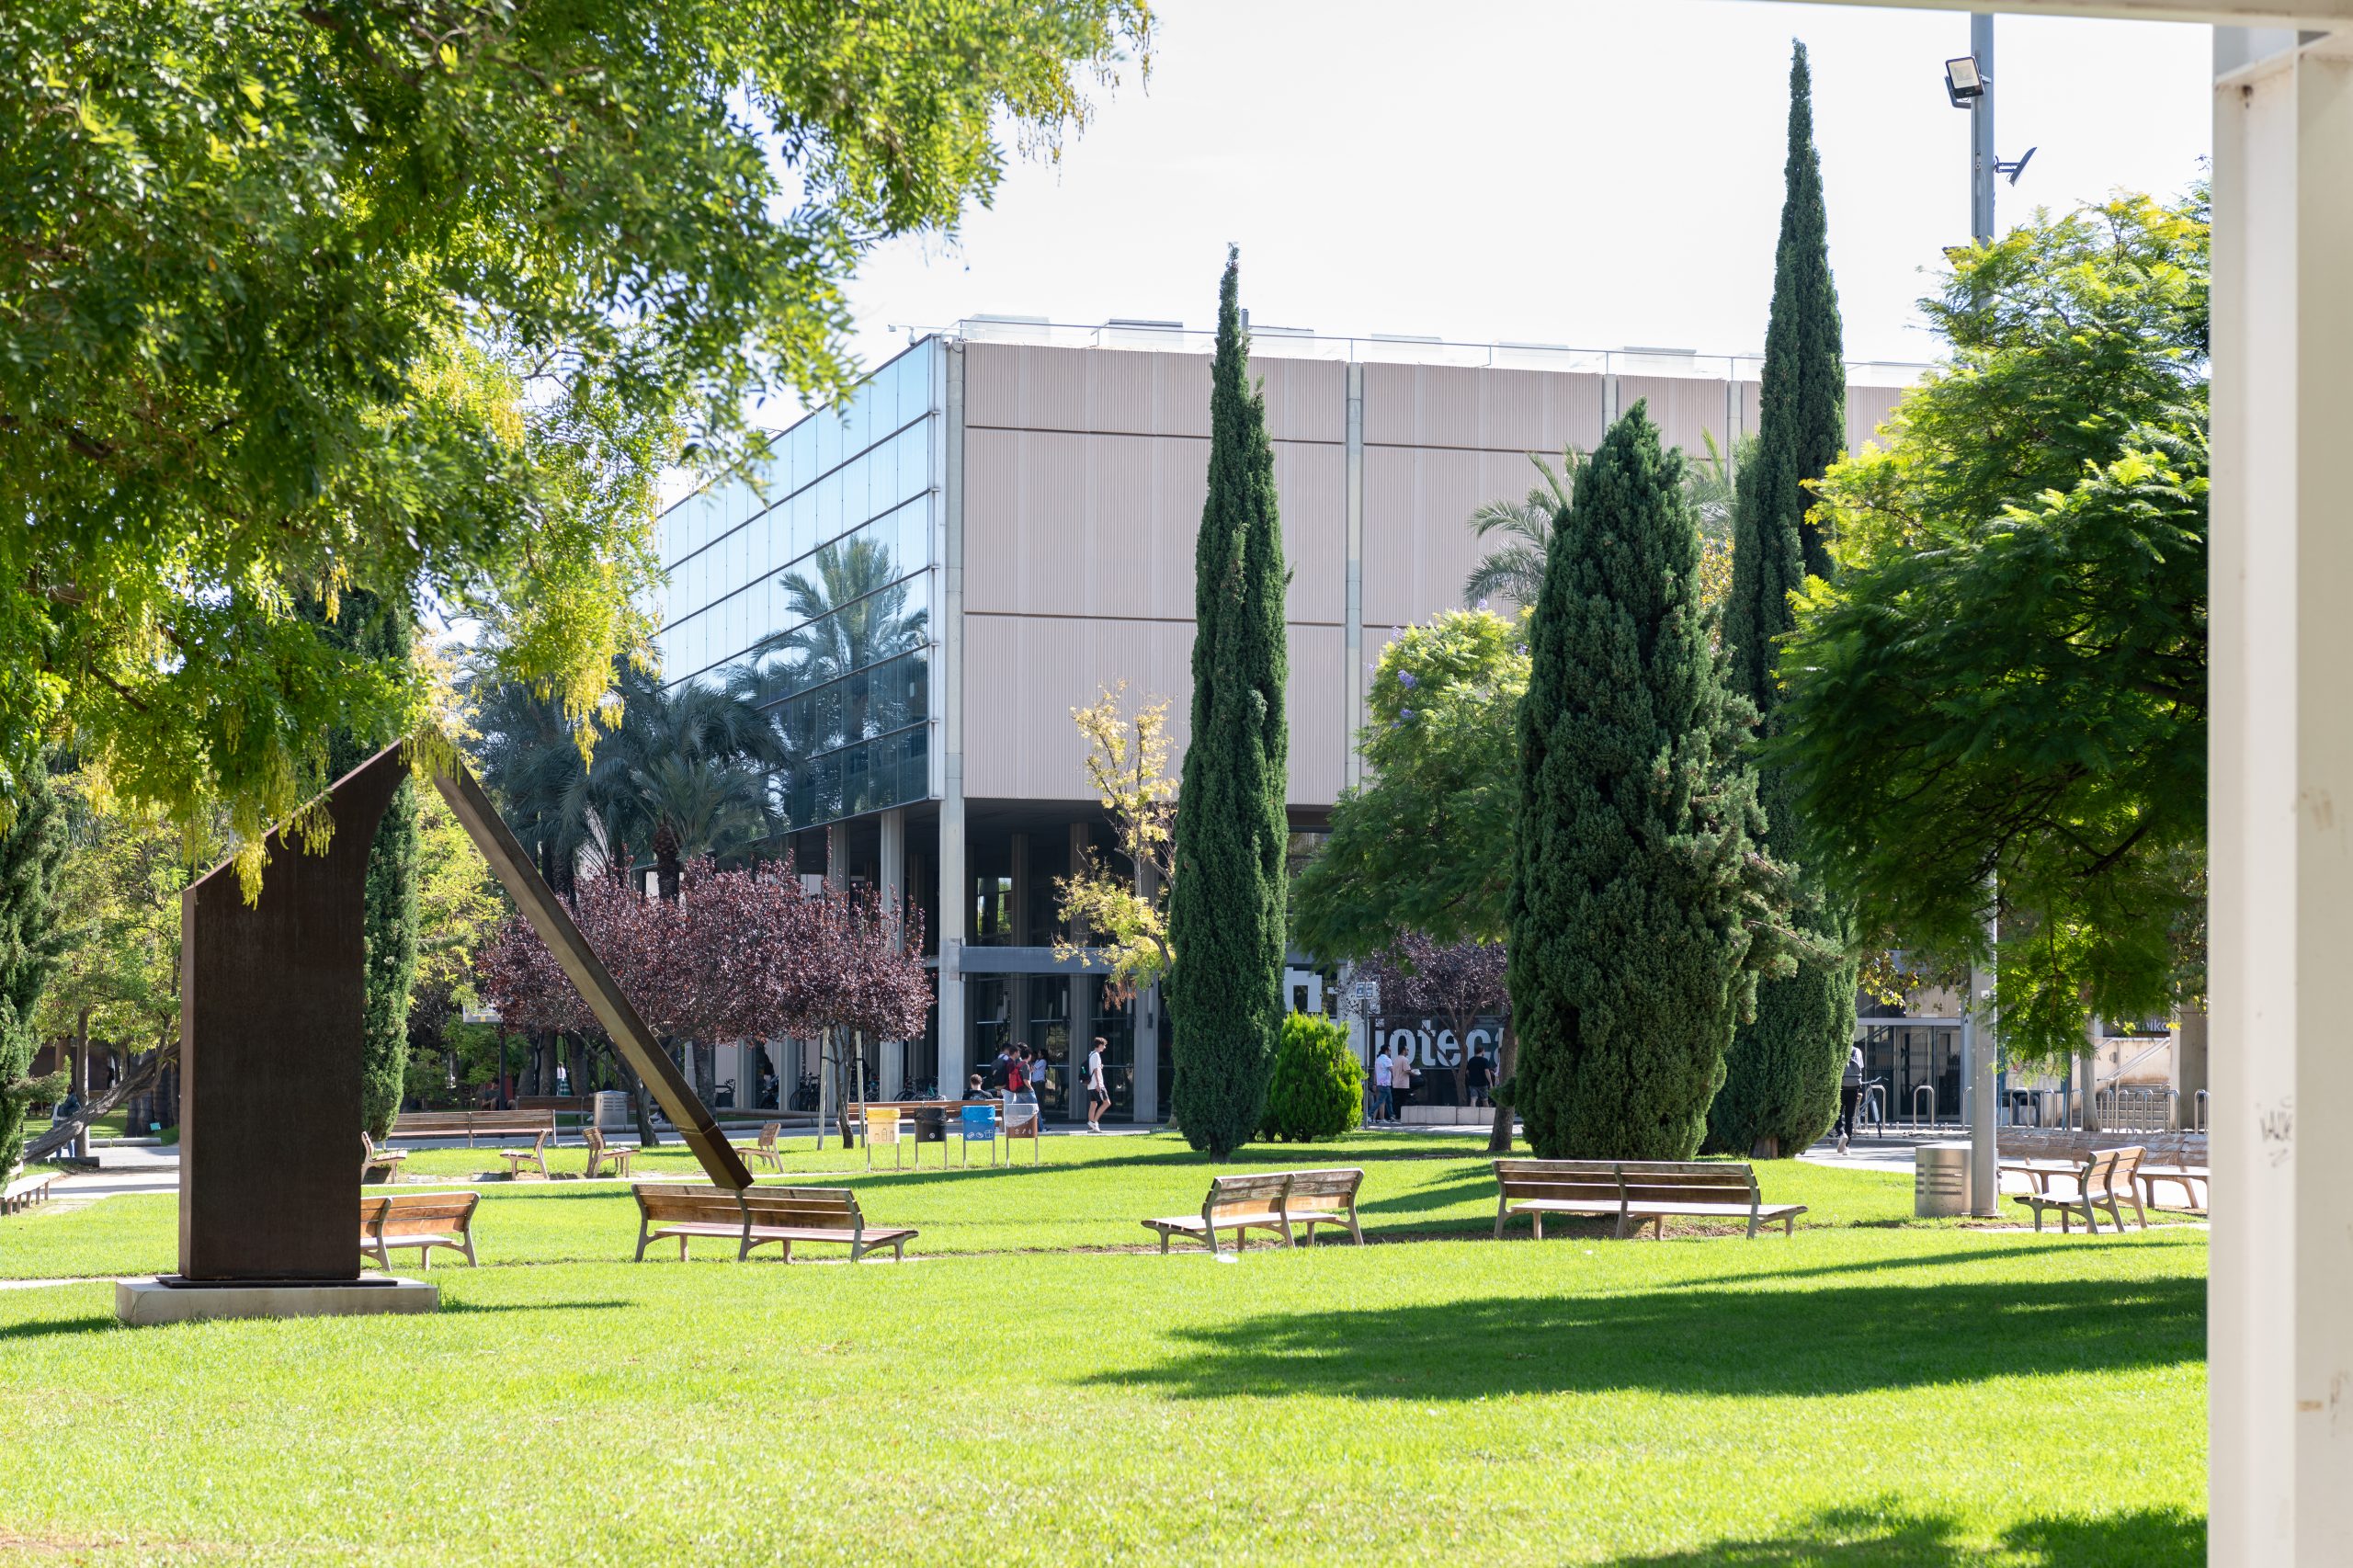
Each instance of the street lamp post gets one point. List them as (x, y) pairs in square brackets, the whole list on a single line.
[(1977, 1036)]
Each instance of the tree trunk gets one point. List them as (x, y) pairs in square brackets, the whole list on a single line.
[(636, 1090), (142, 1077), (1499, 1136)]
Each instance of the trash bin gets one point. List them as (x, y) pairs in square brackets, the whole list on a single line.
[(1941, 1180), (931, 1125), (612, 1111)]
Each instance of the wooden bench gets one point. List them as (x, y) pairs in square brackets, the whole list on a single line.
[(765, 1149), (2101, 1182), (537, 1154), (472, 1124), (370, 1158), (601, 1153), (2041, 1155), (26, 1190), (419, 1219), (759, 1215), (1635, 1193), (1270, 1200)]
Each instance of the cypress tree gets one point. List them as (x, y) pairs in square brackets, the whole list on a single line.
[(1637, 901), (381, 629), (1782, 1078), (1226, 905), (30, 942)]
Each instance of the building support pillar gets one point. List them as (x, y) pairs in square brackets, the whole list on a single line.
[(948, 689), (2281, 753), (891, 880)]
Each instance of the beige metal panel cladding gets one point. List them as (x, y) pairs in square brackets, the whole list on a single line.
[(1057, 523), (1417, 541), (1501, 410), (1028, 673), (1687, 410), (1132, 391), (1866, 410)]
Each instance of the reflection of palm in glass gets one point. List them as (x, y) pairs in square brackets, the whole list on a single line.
[(850, 613)]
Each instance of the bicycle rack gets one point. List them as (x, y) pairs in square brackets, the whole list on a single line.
[(1929, 1090), (2198, 1109), (1874, 1108)]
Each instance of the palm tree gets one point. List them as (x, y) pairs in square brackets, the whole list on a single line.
[(686, 773), (532, 765), (1514, 570)]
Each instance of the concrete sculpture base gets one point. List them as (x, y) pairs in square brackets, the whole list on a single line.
[(141, 1301)]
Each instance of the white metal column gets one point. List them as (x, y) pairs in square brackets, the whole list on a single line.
[(891, 875), (2280, 1296), (947, 693)]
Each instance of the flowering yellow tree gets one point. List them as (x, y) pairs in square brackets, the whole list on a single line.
[(1125, 914)]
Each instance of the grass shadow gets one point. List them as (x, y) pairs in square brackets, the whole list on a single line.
[(1735, 1341), (472, 1307), (38, 1328), (1887, 1537)]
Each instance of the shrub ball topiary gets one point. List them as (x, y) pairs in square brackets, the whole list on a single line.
[(1317, 1090)]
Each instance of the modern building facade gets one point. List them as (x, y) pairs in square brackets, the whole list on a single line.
[(998, 526)]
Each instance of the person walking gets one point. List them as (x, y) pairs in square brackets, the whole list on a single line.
[(1850, 1089), (1382, 1094), (1098, 1093), (1401, 1083), (1478, 1077)]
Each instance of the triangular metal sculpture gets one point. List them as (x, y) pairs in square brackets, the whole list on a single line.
[(271, 1002)]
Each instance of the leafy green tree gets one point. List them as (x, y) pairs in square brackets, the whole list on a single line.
[(30, 942), (2004, 685), (1640, 910), (1317, 1089), (417, 300), (1226, 905), (1424, 848), (1781, 1077)]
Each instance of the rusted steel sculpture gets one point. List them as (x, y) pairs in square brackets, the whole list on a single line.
[(271, 999)]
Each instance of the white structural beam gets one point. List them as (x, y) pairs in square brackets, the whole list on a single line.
[(2279, 1323), (2280, 754), (2320, 14)]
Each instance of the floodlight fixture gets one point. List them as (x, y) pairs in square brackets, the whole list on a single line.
[(1964, 83), (2016, 166)]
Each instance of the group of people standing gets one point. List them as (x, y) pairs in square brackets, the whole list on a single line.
[(1020, 1074), (1393, 1073)]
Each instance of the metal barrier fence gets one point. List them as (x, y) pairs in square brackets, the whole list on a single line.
[(2134, 1110)]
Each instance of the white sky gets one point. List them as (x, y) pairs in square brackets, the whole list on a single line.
[(1595, 173)]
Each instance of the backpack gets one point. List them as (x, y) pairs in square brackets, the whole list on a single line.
[(1015, 1079)]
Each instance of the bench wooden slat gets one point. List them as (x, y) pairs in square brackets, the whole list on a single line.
[(1638, 1192), (419, 1219), (759, 1216), (1270, 1201)]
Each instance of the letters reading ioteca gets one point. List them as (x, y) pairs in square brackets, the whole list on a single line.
[(272, 998)]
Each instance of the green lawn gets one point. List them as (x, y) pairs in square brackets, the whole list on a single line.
[(1088, 1193), (1870, 1391)]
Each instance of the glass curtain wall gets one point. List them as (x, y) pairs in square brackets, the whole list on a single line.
[(810, 593)]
